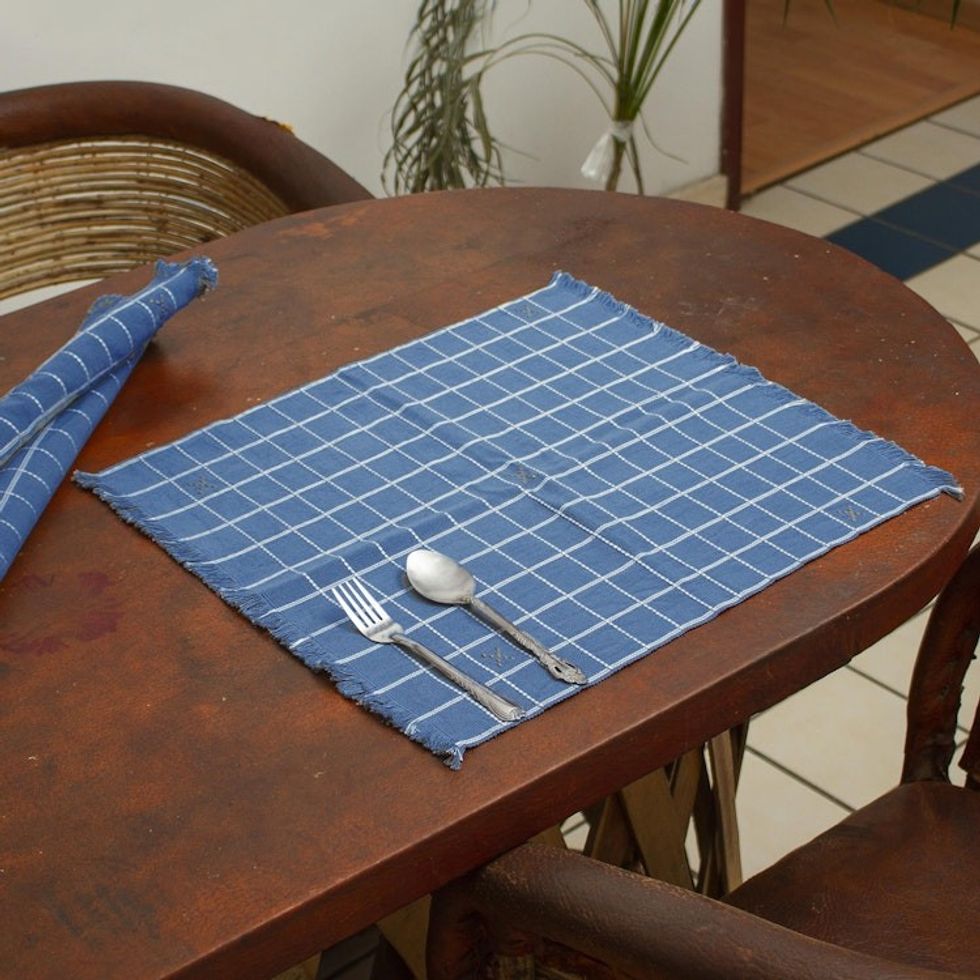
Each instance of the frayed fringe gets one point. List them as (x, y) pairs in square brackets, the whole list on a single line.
[(200, 265), (939, 479), (608, 302), (258, 610)]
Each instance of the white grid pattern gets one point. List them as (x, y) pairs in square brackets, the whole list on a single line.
[(610, 483), (47, 418)]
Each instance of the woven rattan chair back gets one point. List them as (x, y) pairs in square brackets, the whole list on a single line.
[(100, 177), (83, 209)]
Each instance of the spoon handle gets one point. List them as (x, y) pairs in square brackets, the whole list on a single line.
[(555, 666)]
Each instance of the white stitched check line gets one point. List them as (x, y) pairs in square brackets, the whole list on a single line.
[(450, 420), (308, 390), (54, 377), (454, 451), (16, 530), (91, 330), (301, 390), (318, 592)]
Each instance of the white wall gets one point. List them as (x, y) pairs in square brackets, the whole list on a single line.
[(546, 110), (332, 69)]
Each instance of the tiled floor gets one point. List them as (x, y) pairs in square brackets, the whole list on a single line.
[(911, 203)]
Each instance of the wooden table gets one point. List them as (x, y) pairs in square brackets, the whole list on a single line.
[(179, 796)]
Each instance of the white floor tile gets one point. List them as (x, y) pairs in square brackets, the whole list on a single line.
[(957, 776), (971, 697), (860, 183), (777, 813), (953, 288), (784, 206), (965, 116), (844, 734), (969, 334), (890, 660), (929, 149), (575, 830)]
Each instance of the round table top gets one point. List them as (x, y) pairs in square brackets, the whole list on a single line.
[(179, 792)]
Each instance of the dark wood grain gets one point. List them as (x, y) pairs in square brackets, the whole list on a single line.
[(178, 792), (870, 899)]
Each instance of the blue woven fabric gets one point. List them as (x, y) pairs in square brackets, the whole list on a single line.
[(610, 483), (46, 419)]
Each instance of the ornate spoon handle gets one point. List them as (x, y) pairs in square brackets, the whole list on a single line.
[(555, 666)]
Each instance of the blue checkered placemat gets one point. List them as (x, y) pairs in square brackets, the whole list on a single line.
[(610, 482), (47, 418)]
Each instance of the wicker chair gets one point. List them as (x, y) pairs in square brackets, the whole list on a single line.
[(891, 891), (99, 177)]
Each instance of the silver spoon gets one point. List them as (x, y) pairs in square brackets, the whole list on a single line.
[(442, 579)]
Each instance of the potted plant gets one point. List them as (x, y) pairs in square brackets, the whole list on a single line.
[(440, 134), (441, 137)]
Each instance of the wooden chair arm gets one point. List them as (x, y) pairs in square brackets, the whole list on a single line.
[(302, 177), (638, 925), (947, 648)]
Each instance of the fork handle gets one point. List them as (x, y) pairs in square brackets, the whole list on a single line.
[(505, 710)]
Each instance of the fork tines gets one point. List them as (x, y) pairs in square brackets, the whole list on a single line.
[(357, 602)]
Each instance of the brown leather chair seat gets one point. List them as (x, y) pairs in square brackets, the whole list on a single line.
[(882, 880)]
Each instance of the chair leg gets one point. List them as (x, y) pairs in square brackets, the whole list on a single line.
[(724, 773), (402, 946), (610, 839), (948, 646), (646, 823), (657, 828), (714, 816), (388, 965), (643, 826)]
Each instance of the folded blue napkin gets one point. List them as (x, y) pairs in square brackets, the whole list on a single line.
[(610, 482), (46, 419)]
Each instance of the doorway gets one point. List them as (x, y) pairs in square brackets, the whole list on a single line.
[(815, 85)]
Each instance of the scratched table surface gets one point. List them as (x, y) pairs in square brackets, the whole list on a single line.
[(180, 796)]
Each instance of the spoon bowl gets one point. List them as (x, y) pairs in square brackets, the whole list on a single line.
[(440, 578), (443, 579)]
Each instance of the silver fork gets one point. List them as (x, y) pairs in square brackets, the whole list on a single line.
[(370, 619)]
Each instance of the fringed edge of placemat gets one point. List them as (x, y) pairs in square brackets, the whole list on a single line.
[(941, 480), (256, 608)]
